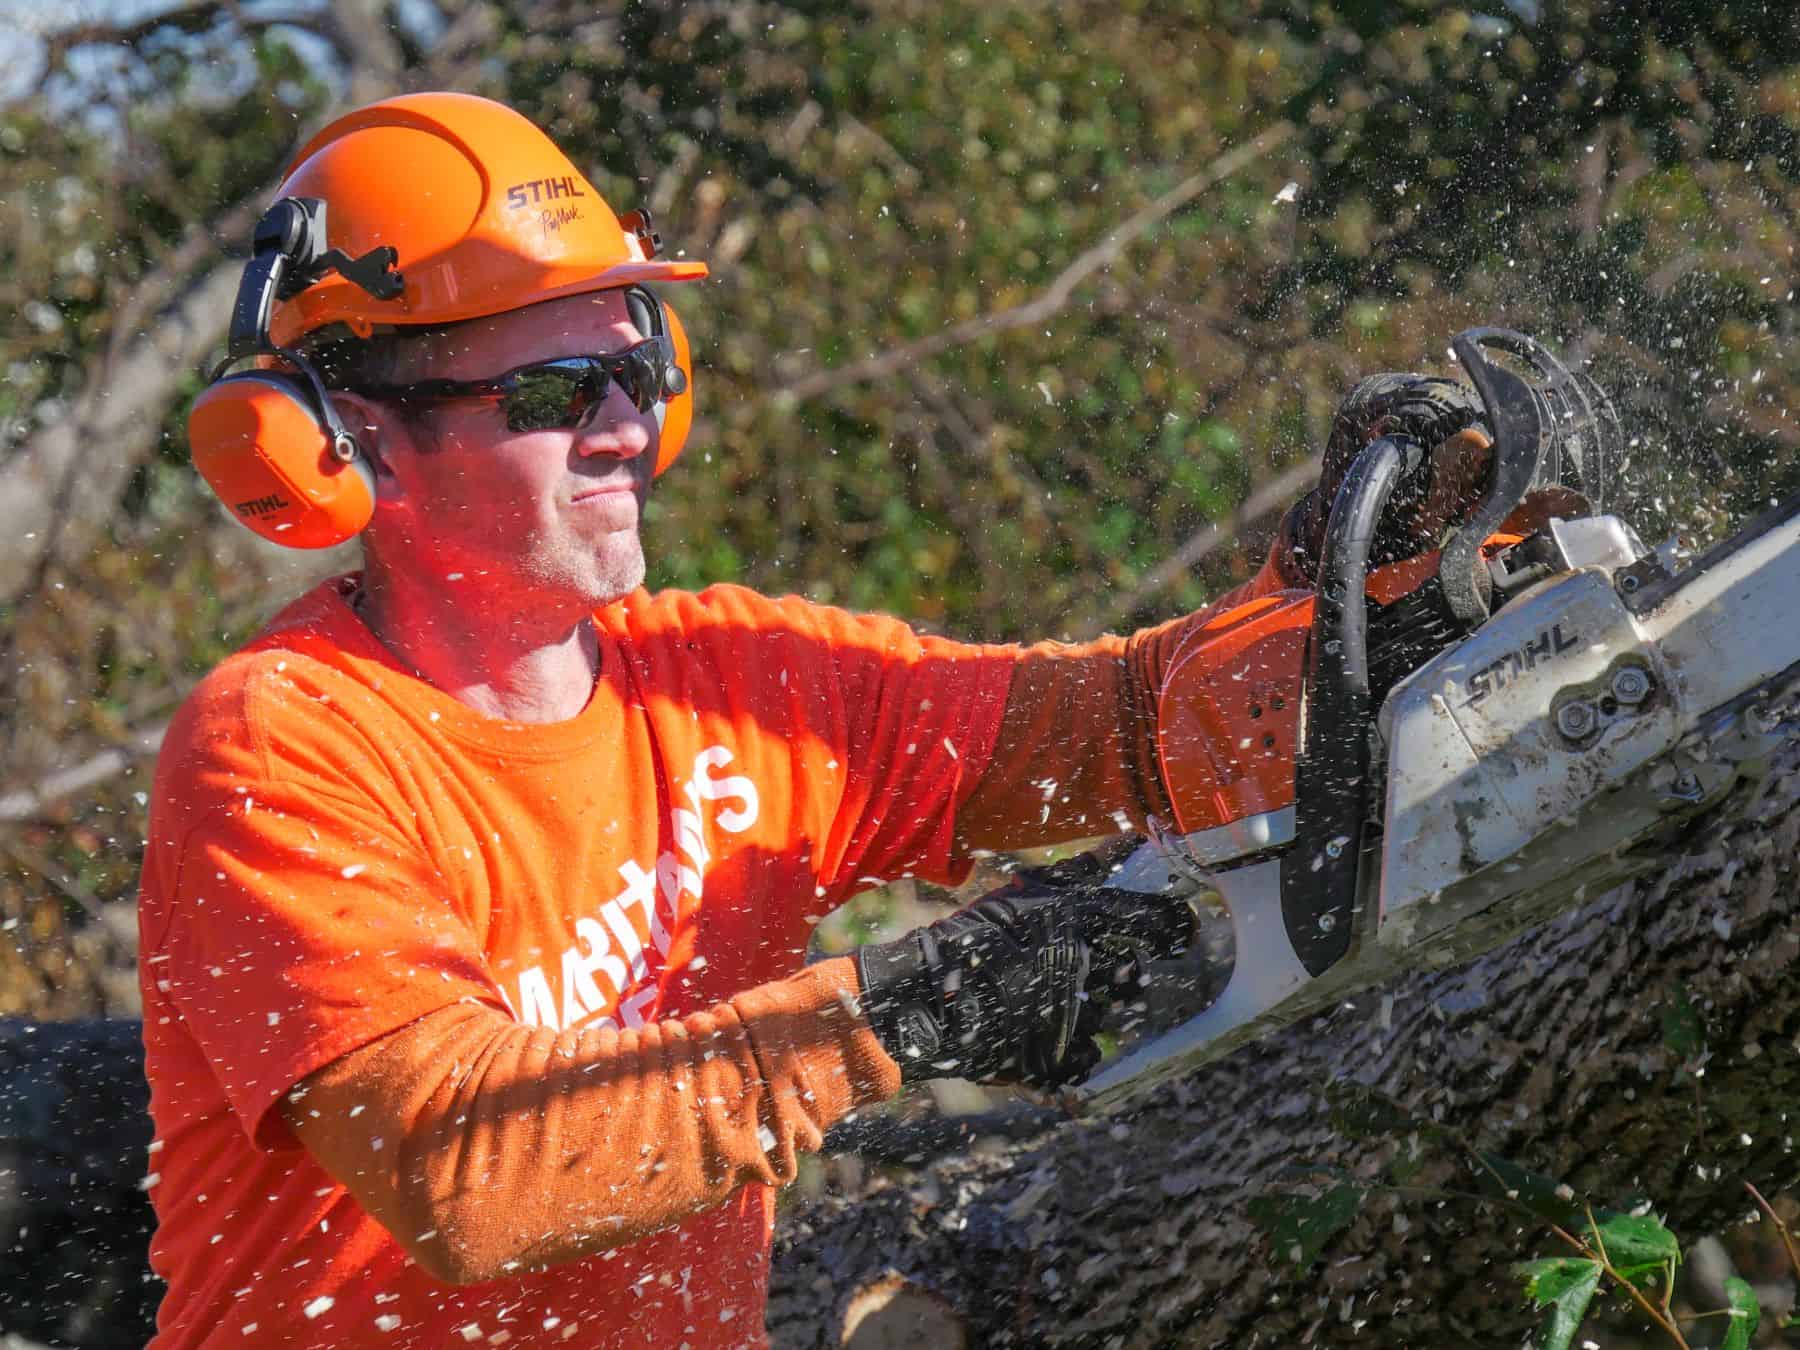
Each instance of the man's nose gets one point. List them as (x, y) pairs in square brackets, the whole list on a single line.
[(613, 426)]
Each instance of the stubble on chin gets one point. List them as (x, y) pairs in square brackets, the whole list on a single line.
[(590, 576)]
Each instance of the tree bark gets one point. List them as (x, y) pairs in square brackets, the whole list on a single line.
[(1549, 1051)]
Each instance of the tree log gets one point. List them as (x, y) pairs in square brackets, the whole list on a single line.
[(1551, 1051)]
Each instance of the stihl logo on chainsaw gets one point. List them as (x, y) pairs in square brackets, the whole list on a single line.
[(262, 506), (1508, 668), (541, 190)]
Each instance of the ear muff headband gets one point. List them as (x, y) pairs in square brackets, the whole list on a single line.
[(269, 441)]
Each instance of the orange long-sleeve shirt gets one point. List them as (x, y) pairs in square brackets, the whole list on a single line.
[(459, 1028)]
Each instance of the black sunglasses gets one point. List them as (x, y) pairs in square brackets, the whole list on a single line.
[(559, 392)]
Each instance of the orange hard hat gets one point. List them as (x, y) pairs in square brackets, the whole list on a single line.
[(484, 212)]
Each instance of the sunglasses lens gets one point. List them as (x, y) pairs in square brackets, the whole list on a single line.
[(551, 395), (559, 393)]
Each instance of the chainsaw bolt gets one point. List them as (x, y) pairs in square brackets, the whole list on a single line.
[(1631, 685), (1327, 922), (1575, 719)]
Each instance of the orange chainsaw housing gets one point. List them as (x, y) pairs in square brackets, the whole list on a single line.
[(1228, 717)]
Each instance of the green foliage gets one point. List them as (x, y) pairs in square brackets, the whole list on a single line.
[(1565, 1285), (1637, 1245), (865, 176), (1632, 1249), (1299, 1225), (1543, 1196), (1745, 1313), (1683, 1033)]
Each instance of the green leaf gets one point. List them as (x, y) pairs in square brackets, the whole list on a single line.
[(1745, 1313), (1642, 1275), (1408, 1162), (1299, 1226), (1683, 1032), (1549, 1278), (1566, 1285), (1543, 1196), (1638, 1240)]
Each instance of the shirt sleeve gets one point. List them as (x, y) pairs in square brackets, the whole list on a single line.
[(482, 1145), (296, 927), (882, 730), (1075, 754)]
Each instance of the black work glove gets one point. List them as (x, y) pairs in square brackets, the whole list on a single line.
[(1429, 410), (1014, 986)]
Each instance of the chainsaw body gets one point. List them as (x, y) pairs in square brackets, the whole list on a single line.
[(1500, 731)]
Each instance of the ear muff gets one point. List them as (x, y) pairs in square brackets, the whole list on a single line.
[(675, 413), (258, 439)]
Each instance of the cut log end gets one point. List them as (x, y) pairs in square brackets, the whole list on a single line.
[(893, 1313)]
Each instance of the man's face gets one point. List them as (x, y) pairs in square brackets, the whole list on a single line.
[(550, 515)]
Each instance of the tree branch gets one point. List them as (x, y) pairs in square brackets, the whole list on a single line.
[(1058, 293), (25, 803), (1549, 1051), (194, 17)]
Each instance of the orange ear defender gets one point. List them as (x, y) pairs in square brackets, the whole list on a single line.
[(259, 440), (675, 413), (487, 216), (270, 442)]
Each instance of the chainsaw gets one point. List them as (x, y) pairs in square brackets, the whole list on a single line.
[(1405, 767)]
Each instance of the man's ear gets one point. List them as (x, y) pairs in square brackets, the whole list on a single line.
[(379, 433)]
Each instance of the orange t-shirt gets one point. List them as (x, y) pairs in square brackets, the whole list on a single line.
[(338, 849)]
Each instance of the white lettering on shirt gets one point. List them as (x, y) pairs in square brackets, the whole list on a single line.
[(612, 942), (703, 787)]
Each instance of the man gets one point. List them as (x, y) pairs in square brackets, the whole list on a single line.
[(479, 884)]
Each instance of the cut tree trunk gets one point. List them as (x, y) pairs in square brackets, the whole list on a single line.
[(1552, 1051)]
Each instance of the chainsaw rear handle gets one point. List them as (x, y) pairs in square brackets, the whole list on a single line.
[(1534, 427), (1331, 771)]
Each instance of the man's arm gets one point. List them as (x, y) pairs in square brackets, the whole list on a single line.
[(486, 1147), (1076, 752)]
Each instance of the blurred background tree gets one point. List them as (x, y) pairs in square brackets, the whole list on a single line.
[(975, 350), (1023, 321)]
